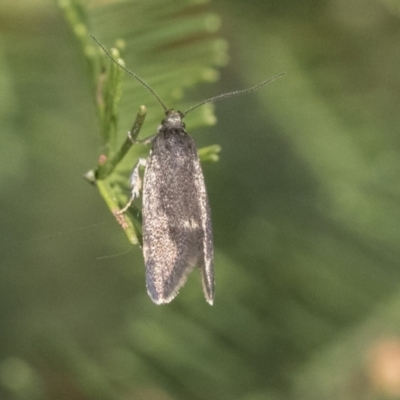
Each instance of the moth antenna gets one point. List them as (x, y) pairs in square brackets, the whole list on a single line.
[(231, 94), (138, 78)]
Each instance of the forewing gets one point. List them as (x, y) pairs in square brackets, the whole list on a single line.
[(176, 218), (206, 260)]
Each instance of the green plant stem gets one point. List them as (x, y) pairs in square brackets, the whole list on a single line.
[(105, 169), (112, 204)]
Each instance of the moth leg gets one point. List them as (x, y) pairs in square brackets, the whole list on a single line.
[(135, 183), (147, 140)]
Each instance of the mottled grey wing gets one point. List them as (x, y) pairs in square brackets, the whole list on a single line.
[(177, 233)]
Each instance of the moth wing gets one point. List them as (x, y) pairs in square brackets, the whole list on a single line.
[(176, 218), (206, 260)]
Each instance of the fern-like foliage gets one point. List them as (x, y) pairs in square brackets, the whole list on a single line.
[(171, 45)]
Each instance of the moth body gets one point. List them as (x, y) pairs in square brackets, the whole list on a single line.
[(177, 234)]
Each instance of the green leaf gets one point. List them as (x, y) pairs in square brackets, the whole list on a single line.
[(170, 44)]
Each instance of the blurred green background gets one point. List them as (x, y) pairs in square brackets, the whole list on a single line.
[(305, 203)]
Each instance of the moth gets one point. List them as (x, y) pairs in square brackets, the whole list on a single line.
[(177, 232)]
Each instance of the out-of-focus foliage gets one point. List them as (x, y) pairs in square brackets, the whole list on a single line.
[(305, 204)]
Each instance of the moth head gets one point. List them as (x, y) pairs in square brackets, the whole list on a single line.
[(173, 119)]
